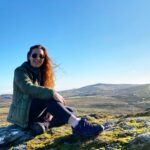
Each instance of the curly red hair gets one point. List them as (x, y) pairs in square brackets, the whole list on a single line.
[(47, 69)]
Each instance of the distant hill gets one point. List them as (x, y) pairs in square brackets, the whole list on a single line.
[(5, 97), (110, 90), (138, 90)]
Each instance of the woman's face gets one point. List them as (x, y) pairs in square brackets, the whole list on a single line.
[(36, 57)]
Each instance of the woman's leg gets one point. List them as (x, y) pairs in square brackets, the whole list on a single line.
[(61, 114), (58, 111), (56, 122), (37, 111), (80, 127)]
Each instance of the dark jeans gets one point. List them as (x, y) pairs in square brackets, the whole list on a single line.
[(39, 108)]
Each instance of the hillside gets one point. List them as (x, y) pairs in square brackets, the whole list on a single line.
[(110, 90), (112, 98), (126, 106), (139, 90)]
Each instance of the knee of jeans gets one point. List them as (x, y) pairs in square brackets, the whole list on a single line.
[(71, 109)]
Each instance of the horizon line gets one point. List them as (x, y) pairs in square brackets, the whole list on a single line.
[(59, 90)]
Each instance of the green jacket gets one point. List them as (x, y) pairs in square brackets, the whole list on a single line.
[(25, 88)]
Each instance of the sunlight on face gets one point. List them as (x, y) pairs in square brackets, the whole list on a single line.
[(36, 57)]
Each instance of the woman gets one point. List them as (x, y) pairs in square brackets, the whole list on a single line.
[(35, 102)]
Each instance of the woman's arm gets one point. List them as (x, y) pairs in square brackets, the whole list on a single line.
[(58, 98), (22, 80)]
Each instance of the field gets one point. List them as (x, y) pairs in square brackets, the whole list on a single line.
[(94, 104), (109, 105), (129, 116), (4, 107)]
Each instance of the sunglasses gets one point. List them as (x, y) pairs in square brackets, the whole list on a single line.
[(36, 55)]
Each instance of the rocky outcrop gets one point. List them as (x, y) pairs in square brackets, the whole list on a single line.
[(128, 132), (141, 142), (12, 135)]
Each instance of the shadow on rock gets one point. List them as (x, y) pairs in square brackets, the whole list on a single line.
[(13, 135)]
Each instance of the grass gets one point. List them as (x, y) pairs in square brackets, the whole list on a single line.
[(117, 137), (113, 105), (128, 125)]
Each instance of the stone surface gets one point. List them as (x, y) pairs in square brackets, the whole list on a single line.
[(141, 142), (13, 134)]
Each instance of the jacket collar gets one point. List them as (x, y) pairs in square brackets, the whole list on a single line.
[(30, 68)]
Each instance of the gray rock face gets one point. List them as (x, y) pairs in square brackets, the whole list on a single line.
[(141, 142), (12, 134), (148, 123)]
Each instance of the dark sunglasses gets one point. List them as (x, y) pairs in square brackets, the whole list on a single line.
[(36, 55)]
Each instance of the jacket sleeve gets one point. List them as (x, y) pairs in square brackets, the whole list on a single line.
[(23, 81)]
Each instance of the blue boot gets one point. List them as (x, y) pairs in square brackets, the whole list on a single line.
[(85, 129)]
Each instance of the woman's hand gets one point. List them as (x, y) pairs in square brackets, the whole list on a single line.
[(58, 98), (48, 117)]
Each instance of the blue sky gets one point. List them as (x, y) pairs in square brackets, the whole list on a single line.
[(93, 41)]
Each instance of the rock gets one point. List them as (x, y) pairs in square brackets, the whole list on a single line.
[(147, 123), (124, 126), (20, 147), (122, 134), (141, 142), (12, 134), (97, 116)]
